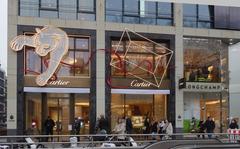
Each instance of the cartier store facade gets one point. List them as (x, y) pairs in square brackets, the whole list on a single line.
[(133, 90), (69, 94)]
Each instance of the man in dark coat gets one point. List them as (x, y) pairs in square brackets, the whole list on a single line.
[(129, 125), (76, 127), (103, 124), (210, 126), (49, 124)]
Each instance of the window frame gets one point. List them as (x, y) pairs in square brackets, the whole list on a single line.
[(85, 11), (48, 9), (197, 17), (130, 15), (161, 17), (89, 50)]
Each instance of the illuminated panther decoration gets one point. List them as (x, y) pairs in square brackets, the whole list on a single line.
[(50, 40)]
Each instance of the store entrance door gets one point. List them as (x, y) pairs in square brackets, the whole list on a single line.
[(211, 107), (58, 110)]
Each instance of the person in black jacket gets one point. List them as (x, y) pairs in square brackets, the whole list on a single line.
[(210, 126), (129, 125), (154, 129), (77, 127), (49, 124), (233, 124), (103, 124), (146, 128)]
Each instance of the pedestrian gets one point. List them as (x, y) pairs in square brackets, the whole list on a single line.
[(201, 129), (193, 125), (49, 124), (146, 127), (129, 125), (120, 129), (160, 129), (210, 126), (233, 124), (154, 129), (103, 124), (76, 128), (169, 129)]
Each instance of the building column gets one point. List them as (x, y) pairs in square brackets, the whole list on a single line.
[(12, 70), (179, 66), (100, 57)]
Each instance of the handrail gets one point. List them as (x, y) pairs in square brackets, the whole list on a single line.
[(87, 139)]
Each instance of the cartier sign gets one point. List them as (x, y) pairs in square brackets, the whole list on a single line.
[(203, 87), (136, 83)]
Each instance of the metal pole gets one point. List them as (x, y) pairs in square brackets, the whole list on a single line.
[(221, 130)]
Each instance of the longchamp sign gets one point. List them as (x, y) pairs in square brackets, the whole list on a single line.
[(203, 87)]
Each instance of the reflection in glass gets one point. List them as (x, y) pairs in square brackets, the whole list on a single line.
[(141, 59), (81, 63), (131, 7), (190, 15), (148, 12), (29, 8), (164, 10), (140, 64), (49, 4), (66, 67), (133, 20), (114, 10), (33, 62), (200, 16), (86, 16), (67, 9), (82, 111), (33, 113), (202, 59), (165, 22), (75, 63), (82, 43), (48, 14), (86, 5), (59, 110)]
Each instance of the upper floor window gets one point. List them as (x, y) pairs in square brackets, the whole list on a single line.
[(86, 9), (203, 60), (139, 60), (139, 12), (200, 16), (63, 9), (75, 63), (49, 4)]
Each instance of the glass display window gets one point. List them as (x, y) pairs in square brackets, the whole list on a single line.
[(202, 60), (75, 63)]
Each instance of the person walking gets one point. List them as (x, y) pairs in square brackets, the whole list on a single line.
[(129, 125), (201, 129), (103, 124), (154, 129), (160, 129), (76, 128), (146, 128), (49, 124), (169, 129), (233, 124), (210, 126), (120, 129)]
